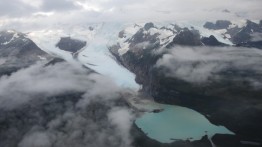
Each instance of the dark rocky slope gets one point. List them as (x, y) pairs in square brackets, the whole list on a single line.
[(241, 36), (17, 51), (220, 24), (211, 41), (228, 100), (70, 44)]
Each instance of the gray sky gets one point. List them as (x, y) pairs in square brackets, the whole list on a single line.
[(43, 12)]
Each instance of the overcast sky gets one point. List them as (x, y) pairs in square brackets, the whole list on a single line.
[(43, 12)]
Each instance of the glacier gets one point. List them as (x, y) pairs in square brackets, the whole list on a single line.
[(95, 55)]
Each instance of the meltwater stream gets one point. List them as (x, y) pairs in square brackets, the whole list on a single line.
[(173, 123)]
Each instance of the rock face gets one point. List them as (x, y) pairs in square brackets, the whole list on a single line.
[(215, 98), (211, 41), (148, 26), (220, 24), (187, 37), (248, 35), (231, 140), (16, 44), (17, 51), (246, 32), (71, 45)]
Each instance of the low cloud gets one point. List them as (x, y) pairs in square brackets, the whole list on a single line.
[(256, 37), (31, 82), (122, 119), (201, 64), (37, 139), (62, 105), (80, 128)]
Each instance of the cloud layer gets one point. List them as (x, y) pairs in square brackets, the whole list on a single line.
[(201, 64), (62, 105), (28, 83), (42, 12)]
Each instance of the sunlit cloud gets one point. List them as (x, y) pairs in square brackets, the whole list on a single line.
[(88, 6), (43, 13), (34, 3)]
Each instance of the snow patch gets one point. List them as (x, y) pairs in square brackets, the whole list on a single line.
[(220, 36), (228, 36), (128, 33), (15, 35), (11, 31), (164, 35), (41, 58), (239, 24), (221, 31), (124, 48)]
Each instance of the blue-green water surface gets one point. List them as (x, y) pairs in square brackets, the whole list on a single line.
[(177, 123)]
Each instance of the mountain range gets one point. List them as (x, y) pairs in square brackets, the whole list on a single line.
[(214, 68)]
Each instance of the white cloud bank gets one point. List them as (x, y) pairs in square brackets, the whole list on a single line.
[(21, 13), (38, 82), (200, 64), (43, 107)]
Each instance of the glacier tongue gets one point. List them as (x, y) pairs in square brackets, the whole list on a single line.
[(95, 55)]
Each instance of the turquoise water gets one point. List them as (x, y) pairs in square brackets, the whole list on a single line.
[(177, 123)]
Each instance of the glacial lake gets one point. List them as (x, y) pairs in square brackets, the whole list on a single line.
[(177, 123)]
